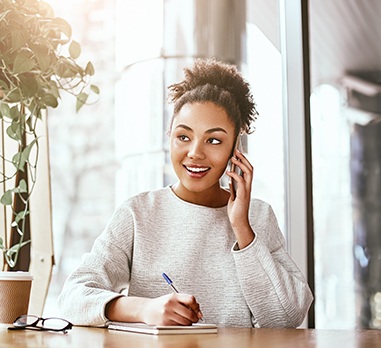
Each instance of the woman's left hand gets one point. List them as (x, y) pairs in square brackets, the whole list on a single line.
[(238, 205)]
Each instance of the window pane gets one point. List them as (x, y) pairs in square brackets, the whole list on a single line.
[(344, 38), (118, 147), (266, 143), (332, 211)]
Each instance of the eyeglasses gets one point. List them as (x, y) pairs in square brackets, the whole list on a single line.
[(47, 324)]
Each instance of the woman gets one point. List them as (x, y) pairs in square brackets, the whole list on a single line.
[(224, 251)]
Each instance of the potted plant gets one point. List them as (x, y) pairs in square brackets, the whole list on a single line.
[(37, 62)]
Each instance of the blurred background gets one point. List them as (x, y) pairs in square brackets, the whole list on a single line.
[(118, 147)]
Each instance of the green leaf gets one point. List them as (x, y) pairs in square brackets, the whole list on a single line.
[(95, 89), (15, 112), (23, 158), (29, 85), (43, 61), (20, 158), (74, 49), (22, 64), (42, 56), (3, 86), (18, 161), (50, 100), (14, 96), (90, 69), (20, 216), (63, 25), (66, 69), (14, 250), (2, 246), (5, 110), (18, 40), (81, 100), (53, 89), (22, 188), (6, 198), (15, 130), (60, 69), (35, 110)]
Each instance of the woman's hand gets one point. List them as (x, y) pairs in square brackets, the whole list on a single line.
[(171, 309), (238, 208)]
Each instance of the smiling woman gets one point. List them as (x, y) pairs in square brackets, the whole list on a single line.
[(228, 253)]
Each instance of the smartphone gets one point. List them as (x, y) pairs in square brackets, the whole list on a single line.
[(234, 168)]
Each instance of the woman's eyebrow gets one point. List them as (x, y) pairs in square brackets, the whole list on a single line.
[(185, 127), (216, 129), (209, 131)]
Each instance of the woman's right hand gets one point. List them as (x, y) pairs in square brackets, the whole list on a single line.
[(171, 309)]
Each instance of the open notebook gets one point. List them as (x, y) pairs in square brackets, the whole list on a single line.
[(162, 330)]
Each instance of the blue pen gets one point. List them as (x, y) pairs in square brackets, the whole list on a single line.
[(170, 283)]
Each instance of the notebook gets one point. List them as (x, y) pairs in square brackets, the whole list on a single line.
[(162, 330)]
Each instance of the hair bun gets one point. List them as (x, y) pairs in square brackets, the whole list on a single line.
[(224, 76)]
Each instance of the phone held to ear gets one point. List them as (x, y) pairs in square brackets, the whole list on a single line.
[(234, 168)]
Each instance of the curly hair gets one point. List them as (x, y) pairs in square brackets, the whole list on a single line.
[(220, 83)]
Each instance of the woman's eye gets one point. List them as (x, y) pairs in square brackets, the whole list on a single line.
[(214, 141), (183, 137)]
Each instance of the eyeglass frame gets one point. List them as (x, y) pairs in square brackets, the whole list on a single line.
[(34, 326)]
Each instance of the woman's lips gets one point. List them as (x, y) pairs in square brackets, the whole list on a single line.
[(196, 171)]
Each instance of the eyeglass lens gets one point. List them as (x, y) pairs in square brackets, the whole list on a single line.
[(48, 323), (26, 320)]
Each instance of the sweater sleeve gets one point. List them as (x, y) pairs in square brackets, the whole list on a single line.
[(102, 275), (274, 288)]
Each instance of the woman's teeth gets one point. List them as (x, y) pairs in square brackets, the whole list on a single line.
[(197, 170)]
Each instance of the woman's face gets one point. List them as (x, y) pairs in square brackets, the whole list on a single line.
[(201, 142)]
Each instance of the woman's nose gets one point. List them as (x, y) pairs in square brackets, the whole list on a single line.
[(196, 150)]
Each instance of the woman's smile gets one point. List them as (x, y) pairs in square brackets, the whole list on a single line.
[(196, 171)]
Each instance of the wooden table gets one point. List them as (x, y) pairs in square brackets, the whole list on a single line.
[(83, 337)]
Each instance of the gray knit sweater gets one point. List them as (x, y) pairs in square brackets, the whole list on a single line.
[(156, 232)]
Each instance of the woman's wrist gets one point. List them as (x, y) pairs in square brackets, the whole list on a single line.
[(127, 309), (244, 235)]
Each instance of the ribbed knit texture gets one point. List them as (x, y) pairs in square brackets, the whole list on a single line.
[(157, 232)]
